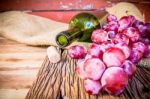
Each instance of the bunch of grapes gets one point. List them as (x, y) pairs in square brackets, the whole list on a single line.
[(110, 61)]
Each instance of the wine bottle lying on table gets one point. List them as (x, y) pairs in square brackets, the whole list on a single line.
[(81, 27)]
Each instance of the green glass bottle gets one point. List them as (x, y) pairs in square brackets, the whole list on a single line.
[(81, 27)]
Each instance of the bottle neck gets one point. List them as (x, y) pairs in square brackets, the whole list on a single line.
[(66, 37)]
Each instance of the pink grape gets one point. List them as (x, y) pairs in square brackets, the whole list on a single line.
[(131, 19), (113, 57), (129, 68), (95, 51), (99, 36), (76, 52), (124, 23), (112, 26), (121, 38), (111, 34), (104, 46), (80, 69), (88, 56), (139, 46), (142, 29), (92, 87), (132, 33), (147, 51), (137, 23), (94, 68), (125, 48), (111, 17), (135, 56), (114, 80)]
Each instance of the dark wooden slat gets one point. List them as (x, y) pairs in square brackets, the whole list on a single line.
[(60, 80)]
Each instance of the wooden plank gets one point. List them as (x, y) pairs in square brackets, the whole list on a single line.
[(59, 81), (13, 93), (19, 64)]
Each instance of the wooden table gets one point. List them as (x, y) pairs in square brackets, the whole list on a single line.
[(19, 65), (59, 81)]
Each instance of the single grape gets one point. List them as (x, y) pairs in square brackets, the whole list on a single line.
[(99, 36), (76, 52), (92, 87), (125, 48), (94, 68), (114, 80), (126, 21), (137, 23), (113, 57), (112, 26), (95, 51), (129, 68), (80, 69), (139, 46), (135, 56), (111, 17), (111, 35), (121, 38), (132, 33), (147, 51)]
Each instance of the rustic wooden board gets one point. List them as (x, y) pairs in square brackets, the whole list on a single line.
[(59, 81), (19, 65)]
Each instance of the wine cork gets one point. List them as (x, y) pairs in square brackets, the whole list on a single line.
[(53, 54)]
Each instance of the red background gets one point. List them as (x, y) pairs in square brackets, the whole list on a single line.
[(63, 10)]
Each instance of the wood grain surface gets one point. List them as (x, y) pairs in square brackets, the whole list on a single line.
[(19, 65), (59, 81)]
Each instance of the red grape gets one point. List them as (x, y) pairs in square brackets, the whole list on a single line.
[(112, 26), (95, 51), (106, 45), (111, 35), (98, 36), (111, 17), (125, 48), (129, 68), (143, 28), (92, 87), (76, 52), (132, 33), (139, 46), (121, 38), (113, 57), (94, 68), (137, 23), (114, 80), (124, 23), (131, 19), (145, 40), (135, 56), (147, 51), (80, 69)]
